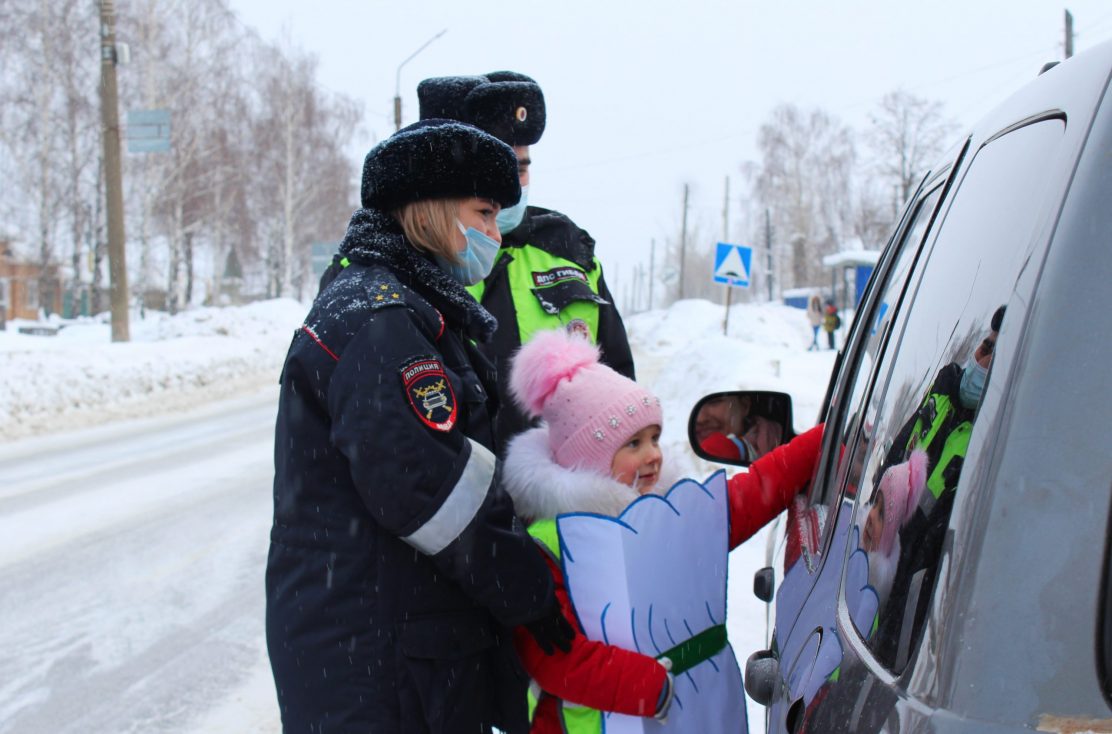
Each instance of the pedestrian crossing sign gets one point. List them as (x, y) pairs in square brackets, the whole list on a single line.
[(731, 264)]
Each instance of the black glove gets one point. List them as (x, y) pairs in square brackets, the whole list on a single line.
[(552, 630)]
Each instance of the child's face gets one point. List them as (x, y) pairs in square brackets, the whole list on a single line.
[(874, 525), (637, 463)]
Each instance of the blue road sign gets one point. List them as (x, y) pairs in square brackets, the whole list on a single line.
[(731, 264)]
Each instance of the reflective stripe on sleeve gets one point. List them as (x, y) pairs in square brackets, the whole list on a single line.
[(460, 507)]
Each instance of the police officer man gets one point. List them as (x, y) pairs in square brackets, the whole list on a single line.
[(546, 275)]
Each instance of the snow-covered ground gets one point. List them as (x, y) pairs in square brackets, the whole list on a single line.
[(183, 382)]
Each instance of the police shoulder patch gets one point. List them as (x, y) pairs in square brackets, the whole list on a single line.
[(430, 392), (383, 289)]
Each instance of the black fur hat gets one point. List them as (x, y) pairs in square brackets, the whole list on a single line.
[(508, 105), (438, 159)]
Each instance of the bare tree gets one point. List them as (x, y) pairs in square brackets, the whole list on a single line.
[(256, 146), (304, 180), (48, 127), (806, 180), (907, 134)]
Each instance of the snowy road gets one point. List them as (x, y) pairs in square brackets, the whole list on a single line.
[(131, 559)]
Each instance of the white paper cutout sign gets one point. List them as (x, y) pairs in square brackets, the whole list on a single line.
[(652, 579)]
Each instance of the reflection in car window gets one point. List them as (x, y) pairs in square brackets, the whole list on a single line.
[(881, 325), (825, 499), (929, 386)]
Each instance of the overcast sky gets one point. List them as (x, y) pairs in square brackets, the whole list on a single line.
[(645, 96)]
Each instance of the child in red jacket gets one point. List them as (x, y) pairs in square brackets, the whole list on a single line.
[(597, 450)]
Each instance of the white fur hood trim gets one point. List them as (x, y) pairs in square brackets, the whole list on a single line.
[(541, 488)]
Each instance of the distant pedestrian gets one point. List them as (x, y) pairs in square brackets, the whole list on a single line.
[(814, 316), (831, 322)]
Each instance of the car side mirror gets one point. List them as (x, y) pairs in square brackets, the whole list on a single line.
[(740, 426)]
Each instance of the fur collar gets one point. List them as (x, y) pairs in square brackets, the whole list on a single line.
[(374, 238), (541, 488)]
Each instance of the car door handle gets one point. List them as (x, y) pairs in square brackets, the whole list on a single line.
[(764, 583), (762, 676)]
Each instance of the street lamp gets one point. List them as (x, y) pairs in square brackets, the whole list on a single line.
[(398, 80)]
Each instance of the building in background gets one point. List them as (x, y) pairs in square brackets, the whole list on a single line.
[(26, 288)]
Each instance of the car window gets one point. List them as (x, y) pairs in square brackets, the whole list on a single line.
[(842, 423), (919, 419), (849, 456)]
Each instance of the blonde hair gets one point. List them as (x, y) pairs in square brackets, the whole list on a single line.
[(430, 225)]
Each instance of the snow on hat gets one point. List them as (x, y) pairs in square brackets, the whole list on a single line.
[(439, 159), (508, 105), (901, 486), (591, 411)]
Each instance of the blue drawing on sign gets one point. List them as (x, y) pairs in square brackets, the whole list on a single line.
[(731, 264)]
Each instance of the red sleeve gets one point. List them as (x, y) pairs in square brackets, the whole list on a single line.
[(720, 445), (592, 674), (758, 496)]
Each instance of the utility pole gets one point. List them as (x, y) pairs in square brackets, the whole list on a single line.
[(398, 80), (1069, 34), (726, 238), (113, 179), (652, 263), (768, 250), (683, 239)]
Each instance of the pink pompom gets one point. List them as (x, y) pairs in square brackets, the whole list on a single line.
[(539, 366), (916, 481)]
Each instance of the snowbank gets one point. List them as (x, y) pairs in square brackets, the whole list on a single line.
[(79, 377)]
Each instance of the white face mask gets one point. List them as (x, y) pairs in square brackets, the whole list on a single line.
[(508, 219), (477, 258)]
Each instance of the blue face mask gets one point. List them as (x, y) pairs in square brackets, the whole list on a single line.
[(476, 260), (972, 384), (508, 219)]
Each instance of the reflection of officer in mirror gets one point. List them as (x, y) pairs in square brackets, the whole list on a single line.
[(396, 564)]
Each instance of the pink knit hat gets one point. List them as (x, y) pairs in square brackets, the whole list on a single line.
[(590, 409), (901, 485)]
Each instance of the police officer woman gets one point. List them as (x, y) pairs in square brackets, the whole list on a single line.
[(396, 563)]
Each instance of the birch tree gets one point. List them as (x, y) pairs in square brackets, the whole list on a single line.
[(805, 178), (304, 178)]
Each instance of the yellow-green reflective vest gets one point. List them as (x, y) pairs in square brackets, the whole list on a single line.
[(955, 444), (531, 272), (576, 719)]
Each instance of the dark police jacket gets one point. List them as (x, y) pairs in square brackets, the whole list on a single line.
[(396, 562)]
